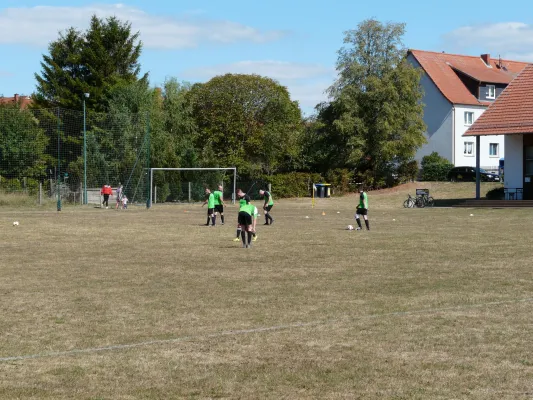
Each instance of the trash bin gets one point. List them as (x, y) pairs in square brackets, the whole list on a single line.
[(323, 190)]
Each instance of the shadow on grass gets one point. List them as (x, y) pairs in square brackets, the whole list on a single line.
[(450, 202)]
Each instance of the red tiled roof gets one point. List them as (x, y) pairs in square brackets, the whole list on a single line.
[(24, 101), (512, 112), (440, 69)]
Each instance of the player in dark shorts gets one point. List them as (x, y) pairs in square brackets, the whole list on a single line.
[(269, 203), (243, 199), (245, 222), (219, 203), (362, 209), (210, 201)]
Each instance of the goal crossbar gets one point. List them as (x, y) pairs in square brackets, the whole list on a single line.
[(234, 169)]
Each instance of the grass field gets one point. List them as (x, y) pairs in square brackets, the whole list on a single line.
[(148, 304)]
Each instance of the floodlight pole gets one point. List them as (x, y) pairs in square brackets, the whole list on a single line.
[(85, 96)]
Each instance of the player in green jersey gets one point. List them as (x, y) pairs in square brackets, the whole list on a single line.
[(219, 203), (269, 203), (245, 222), (210, 201), (362, 209), (243, 199)]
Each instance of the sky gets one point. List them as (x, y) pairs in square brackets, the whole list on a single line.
[(293, 41)]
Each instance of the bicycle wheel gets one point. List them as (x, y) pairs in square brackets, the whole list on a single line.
[(430, 202), (409, 203), (420, 202)]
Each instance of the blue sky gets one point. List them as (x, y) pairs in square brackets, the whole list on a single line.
[(292, 41)]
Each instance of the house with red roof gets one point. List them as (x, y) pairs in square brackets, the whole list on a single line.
[(511, 117), (24, 101), (457, 91)]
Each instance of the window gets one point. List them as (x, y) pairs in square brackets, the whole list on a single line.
[(469, 118), (493, 149), (469, 148), (491, 92)]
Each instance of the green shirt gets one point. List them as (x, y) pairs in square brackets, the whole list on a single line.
[(218, 197), (270, 198), (211, 201), (247, 208), (363, 201)]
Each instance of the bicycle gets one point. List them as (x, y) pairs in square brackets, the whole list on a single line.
[(414, 202), (427, 200)]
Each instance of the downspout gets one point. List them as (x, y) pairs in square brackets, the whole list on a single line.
[(453, 135)]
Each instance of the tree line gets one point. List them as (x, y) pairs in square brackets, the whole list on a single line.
[(368, 131)]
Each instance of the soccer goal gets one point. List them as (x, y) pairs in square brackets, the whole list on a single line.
[(189, 190)]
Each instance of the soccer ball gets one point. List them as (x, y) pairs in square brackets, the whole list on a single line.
[(350, 227), (16, 223)]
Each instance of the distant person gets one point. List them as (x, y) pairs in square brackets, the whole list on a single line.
[(119, 193), (124, 202), (210, 201), (267, 206), (219, 202), (106, 192), (245, 220), (243, 200), (362, 209)]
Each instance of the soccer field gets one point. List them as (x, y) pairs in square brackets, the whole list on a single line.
[(148, 304)]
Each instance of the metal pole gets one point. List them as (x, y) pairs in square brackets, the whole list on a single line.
[(234, 185), (189, 192), (40, 193), (84, 152), (155, 194), (58, 177), (148, 149), (478, 177), (151, 186)]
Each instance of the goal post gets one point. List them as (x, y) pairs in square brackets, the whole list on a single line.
[(151, 194)]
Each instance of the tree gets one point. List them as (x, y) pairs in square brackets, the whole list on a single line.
[(376, 114), (247, 121), (94, 62), (22, 144)]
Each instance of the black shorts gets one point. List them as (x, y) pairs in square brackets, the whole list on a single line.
[(210, 211), (268, 208), (362, 211), (244, 218), (219, 208)]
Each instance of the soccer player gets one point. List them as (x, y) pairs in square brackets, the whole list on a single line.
[(219, 202), (254, 223), (243, 199), (269, 203), (210, 201), (245, 222), (106, 192), (362, 209)]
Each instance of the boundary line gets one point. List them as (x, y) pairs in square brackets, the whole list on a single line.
[(255, 330)]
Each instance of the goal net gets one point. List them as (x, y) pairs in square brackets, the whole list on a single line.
[(187, 185)]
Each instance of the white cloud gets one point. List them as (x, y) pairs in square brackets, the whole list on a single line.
[(40, 25), (512, 40), (306, 83)]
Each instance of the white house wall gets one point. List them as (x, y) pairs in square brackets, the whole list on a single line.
[(514, 168), (486, 160), (438, 118)]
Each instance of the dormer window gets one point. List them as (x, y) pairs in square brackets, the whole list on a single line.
[(491, 92)]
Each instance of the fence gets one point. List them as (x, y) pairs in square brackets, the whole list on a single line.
[(65, 152)]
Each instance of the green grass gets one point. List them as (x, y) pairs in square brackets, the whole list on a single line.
[(431, 303)]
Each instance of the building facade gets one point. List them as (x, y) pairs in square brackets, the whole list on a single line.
[(457, 90)]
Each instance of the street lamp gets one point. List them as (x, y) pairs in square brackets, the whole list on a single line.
[(85, 96)]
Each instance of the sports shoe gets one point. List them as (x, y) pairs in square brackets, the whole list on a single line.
[(357, 229), (254, 238), (236, 240), (271, 222), (266, 223)]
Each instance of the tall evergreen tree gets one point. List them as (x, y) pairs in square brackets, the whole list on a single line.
[(94, 62)]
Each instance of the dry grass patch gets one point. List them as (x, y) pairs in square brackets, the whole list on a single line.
[(435, 304)]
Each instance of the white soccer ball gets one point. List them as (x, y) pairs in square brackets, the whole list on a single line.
[(471, 215), (350, 227), (307, 216), (16, 223)]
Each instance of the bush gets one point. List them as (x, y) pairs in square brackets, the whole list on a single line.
[(408, 171), (435, 167), (293, 184), (496, 194), (341, 180)]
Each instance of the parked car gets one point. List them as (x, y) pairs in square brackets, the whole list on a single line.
[(468, 174)]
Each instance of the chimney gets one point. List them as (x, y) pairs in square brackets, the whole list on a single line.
[(16, 98), (486, 58)]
